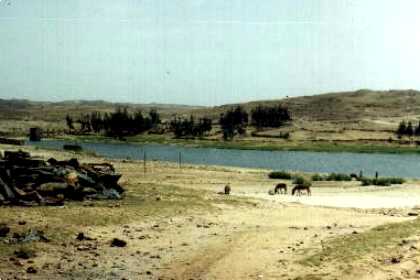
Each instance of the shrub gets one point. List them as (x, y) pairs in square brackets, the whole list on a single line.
[(299, 180), (338, 177), (382, 181), (331, 177), (317, 177), (285, 135), (396, 181), (280, 175)]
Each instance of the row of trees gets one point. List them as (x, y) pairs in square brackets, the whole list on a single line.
[(408, 129), (265, 116), (117, 124), (233, 122), (190, 127)]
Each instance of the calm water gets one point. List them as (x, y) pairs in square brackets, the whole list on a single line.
[(402, 165)]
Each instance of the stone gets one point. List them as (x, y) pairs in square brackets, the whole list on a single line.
[(31, 270), (4, 230), (118, 243)]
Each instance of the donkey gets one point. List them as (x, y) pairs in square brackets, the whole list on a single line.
[(280, 188), (299, 188), (227, 189)]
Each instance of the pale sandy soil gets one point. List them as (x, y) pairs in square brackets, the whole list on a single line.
[(407, 196), (261, 237)]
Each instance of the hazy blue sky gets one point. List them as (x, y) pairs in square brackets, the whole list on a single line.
[(205, 52)]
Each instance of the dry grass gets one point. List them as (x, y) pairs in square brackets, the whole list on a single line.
[(344, 249)]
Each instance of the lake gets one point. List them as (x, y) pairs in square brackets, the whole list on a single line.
[(401, 165)]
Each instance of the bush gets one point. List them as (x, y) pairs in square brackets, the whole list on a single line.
[(396, 181), (331, 177), (280, 175), (385, 182), (338, 177), (285, 135), (299, 180), (317, 177)]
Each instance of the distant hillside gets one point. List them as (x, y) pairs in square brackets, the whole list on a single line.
[(49, 111), (364, 111), (343, 106)]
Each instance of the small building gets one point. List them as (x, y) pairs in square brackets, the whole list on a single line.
[(35, 134)]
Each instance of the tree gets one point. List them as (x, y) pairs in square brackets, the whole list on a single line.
[(266, 116), (417, 130), (154, 118), (69, 122), (183, 127), (84, 122), (233, 122), (96, 122), (402, 128), (409, 129)]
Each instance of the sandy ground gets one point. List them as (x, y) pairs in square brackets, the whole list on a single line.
[(262, 238), (407, 196)]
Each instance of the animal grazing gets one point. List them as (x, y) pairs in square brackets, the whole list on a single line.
[(299, 188), (280, 188), (227, 189)]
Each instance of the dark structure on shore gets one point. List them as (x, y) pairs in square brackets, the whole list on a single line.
[(35, 134)]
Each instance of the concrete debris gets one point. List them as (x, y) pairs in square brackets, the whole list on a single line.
[(27, 181)]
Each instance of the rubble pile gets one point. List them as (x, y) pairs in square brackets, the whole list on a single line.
[(27, 181)]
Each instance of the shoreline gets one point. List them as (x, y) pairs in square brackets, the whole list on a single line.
[(246, 144)]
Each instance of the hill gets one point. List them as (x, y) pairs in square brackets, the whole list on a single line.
[(17, 109), (340, 106), (356, 116)]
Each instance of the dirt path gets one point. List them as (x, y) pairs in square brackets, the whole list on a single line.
[(269, 241)]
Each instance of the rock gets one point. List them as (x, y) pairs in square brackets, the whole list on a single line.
[(22, 223), (29, 236), (395, 260), (25, 254), (83, 248), (54, 188), (118, 243), (81, 236), (31, 270), (412, 214), (4, 230), (17, 263)]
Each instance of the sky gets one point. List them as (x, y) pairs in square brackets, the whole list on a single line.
[(205, 52)]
